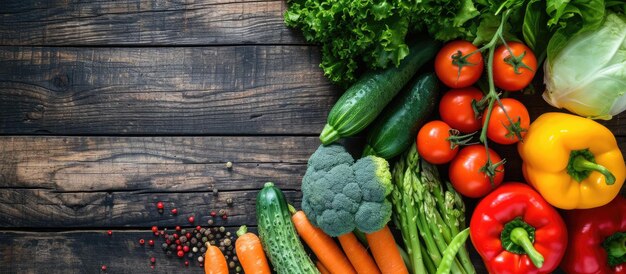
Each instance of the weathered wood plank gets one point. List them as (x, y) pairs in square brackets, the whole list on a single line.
[(87, 251), (45, 208), (154, 164), (174, 91), (144, 22)]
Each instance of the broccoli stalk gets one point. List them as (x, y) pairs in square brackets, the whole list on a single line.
[(340, 195), (424, 207)]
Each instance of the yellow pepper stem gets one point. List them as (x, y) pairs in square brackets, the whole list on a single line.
[(581, 164)]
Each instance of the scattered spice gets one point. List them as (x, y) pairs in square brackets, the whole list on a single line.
[(180, 253), (142, 241), (177, 228), (109, 232), (174, 211), (229, 164), (185, 249), (224, 217), (160, 205), (210, 221), (103, 268), (191, 219), (229, 201), (213, 213), (200, 259), (186, 263), (152, 260), (155, 228), (151, 242)]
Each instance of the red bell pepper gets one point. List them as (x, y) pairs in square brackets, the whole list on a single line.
[(516, 231), (597, 239)]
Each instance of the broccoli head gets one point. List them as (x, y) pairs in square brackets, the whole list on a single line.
[(339, 195)]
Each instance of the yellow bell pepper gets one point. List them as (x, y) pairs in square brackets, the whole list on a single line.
[(574, 162)]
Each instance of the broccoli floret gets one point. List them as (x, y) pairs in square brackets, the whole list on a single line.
[(339, 195)]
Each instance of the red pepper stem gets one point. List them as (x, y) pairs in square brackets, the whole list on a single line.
[(617, 248), (582, 164), (519, 236)]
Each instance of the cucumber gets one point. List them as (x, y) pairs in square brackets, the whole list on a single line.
[(278, 235), (364, 100), (395, 129)]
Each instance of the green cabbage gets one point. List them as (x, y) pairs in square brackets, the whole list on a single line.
[(588, 76)]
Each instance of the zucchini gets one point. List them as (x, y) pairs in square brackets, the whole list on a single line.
[(364, 100), (278, 235), (395, 129)]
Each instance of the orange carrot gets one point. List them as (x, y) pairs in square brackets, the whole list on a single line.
[(357, 254), (385, 252), (214, 261), (250, 252), (321, 268), (322, 245)]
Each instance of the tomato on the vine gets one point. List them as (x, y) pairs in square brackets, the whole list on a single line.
[(467, 173), (433, 144), (455, 67), (500, 129), (516, 71), (456, 109)]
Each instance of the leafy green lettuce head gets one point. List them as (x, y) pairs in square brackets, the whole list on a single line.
[(588, 76)]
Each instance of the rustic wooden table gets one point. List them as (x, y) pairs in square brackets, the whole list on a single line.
[(107, 107)]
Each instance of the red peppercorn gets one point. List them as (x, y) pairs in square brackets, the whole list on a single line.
[(191, 219), (175, 235), (201, 264), (186, 263), (174, 211), (142, 241), (198, 228), (188, 235), (179, 247), (160, 205), (155, 228), (161, 232), (153, 260), (180, 253), (109, 232), (185, 249), (178, 242), (177, 228), (103, 268), (151, 242), (156, 234), (213, 213), (224, 216)]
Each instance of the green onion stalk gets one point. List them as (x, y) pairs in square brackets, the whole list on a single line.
[(430, 216)]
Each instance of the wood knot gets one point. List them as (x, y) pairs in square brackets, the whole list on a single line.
[(37, 113), (61, 81)]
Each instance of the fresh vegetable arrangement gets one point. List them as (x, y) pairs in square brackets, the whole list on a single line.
[(351, 207)]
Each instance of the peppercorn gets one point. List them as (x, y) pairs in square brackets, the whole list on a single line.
[(228, 234), (151, 242), (202, 249), (222, 229), (142, 241), (229, 201), (222, 244), (180, 254), (222, 212), (219, 236), (229, 253), (198, 235), (194, 249), (152, 260), (222, 249), (186, 249), (211, 236), (230, 247), (188, 235), (183, 239), (213, 242), (190, 255), (207, 232), (175, 235), (210, 221), (174, 211), (168, 253), (178, 242), (235, 258), (179, 247), (183, 231), (186, 263), (103, 268), (238, 268), (205, 239), (200, 259), (231, 264), (109, 232), (160, 205), (226, 257), (198, 228), (227, 242), (164, 246), (173, 247), (191, 219), (177, 228), (202, 230), (215, 229), (229, 164), (224, 217), (194, 241)]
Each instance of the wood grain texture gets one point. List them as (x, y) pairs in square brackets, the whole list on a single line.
[(87, 251), (144, 22), (175, 91)]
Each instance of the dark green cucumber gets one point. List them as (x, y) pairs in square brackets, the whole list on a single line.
[(364, 100), (395, 129), (278, 235)]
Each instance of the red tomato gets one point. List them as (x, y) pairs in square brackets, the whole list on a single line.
[(454, 55), (499, 128), (513, 73), (465, 171), (432, 143), (456, 109)]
